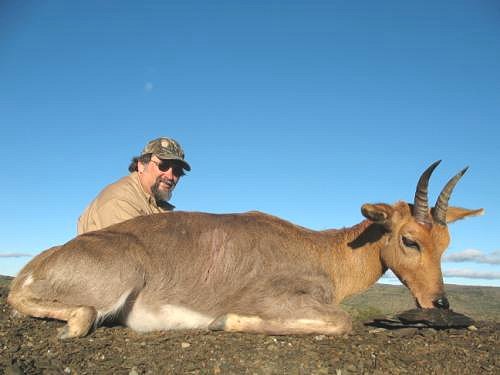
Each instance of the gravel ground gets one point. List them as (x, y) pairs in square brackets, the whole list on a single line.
[(30, 346)]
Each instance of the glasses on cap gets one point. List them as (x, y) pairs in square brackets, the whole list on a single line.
[(165, 165)]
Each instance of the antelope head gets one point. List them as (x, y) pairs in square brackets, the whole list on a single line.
[(417, 238)]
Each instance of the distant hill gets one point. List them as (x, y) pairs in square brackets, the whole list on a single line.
[(478, 302), (5, 280)]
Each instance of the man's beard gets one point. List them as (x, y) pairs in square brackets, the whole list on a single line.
[(162, 195)]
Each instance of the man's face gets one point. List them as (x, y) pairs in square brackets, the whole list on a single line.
[(159, 177)]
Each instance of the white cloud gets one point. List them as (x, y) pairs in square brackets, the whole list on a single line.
[(464, 273), (473, 255), (15, 255), (148, 86), (389, 275), (472, 274)]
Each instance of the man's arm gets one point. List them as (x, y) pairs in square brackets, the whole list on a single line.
[(112, 212)]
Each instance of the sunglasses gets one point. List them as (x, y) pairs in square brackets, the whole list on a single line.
[(165, 165)]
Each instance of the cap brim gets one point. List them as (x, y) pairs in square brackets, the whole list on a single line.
[(184, 163)]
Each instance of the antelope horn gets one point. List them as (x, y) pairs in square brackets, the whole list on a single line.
[(439, 212), (420, 206)]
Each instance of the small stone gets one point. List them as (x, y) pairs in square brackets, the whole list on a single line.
[(67, 370), (351, 368), (472, 328), (185, 345), (13, 370), (405, 332), (319, 337), (133, 371), (428, 332), (377, 330)]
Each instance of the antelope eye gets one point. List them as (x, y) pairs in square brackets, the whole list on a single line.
[(410, 243)]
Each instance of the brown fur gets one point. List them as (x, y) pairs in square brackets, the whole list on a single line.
[(248, 272)]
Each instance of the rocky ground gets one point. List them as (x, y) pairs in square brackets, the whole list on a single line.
[(30, 346)]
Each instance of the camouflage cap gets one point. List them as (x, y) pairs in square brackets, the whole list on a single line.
[(166, 148)]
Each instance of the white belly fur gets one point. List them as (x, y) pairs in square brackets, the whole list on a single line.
[(168, 317)]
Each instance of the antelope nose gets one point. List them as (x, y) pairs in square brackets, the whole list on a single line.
[(441, 303)]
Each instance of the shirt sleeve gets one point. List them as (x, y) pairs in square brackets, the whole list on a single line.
[(115, 211)]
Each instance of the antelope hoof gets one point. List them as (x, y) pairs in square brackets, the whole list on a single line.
[(219, 324), (66, 332), (69, 332), (63, 333), (17, 315)]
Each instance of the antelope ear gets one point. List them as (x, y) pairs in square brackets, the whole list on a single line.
[(457, 213), (379, 213)]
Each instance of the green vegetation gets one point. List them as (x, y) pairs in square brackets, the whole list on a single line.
[(5, 280)]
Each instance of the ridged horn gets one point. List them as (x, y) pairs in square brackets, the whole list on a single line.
[(439, 212), (421, 206)]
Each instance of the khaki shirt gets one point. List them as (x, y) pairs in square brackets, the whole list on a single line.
[(120, 201)]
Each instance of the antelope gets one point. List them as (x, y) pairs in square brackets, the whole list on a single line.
[(245, 272)]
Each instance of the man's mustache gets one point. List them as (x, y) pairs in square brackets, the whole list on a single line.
[(167, 181)]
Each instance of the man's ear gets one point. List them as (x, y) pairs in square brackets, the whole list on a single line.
[(379, 213), (140, 167), (457, 213)]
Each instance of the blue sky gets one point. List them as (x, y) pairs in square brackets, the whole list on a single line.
[(302, 109)]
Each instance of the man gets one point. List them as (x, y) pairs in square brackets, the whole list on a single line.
[(146, 190)]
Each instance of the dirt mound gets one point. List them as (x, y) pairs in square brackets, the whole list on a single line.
[(30, 346)]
